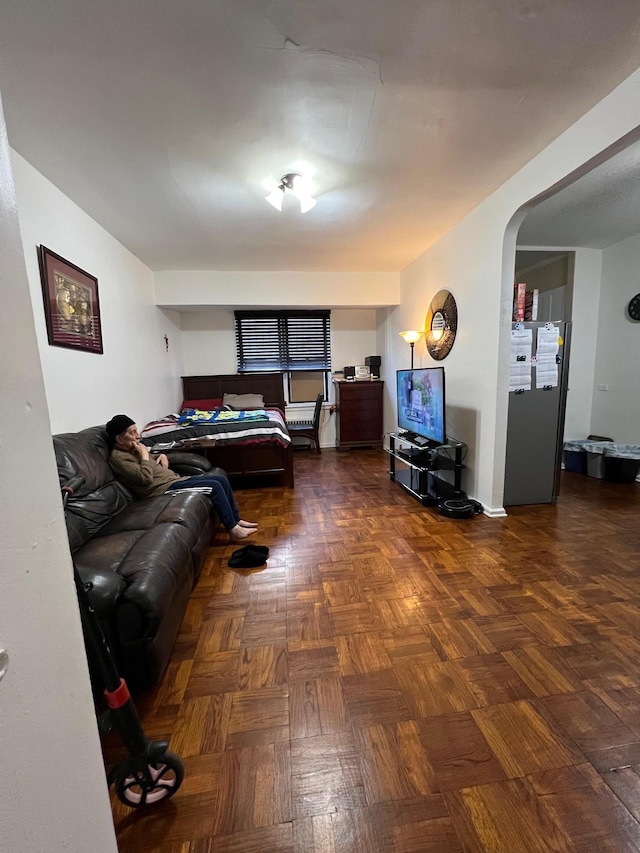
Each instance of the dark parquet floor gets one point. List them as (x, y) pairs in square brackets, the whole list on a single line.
[(398, 682)]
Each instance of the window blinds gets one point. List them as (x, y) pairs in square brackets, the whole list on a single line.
[(283, 340)]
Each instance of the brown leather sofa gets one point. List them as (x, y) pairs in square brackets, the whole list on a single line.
[(141, 557)]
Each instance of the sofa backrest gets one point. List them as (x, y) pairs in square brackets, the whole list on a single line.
[(100, 497)]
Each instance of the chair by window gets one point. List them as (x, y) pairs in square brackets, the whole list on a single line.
[(308, 429)]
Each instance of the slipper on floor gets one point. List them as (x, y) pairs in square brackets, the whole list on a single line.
[(258, 549), (246, 559)]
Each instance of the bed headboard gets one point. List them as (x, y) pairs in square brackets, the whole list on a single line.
[(205, 387)]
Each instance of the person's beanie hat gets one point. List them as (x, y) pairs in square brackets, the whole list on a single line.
[(117, 425)]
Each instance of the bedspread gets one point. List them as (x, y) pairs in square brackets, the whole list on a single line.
[(199, 416), (242, 431)]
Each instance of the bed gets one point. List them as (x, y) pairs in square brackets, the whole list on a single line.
[(246, 449)]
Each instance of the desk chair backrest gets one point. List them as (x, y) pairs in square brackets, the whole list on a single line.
[(309, 429)]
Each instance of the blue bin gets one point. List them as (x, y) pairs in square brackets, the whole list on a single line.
[(575, 461), (574, 456)]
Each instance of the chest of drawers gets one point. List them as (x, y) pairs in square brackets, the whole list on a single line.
[(358, 414)]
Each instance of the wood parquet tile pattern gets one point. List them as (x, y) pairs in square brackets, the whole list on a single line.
[(398, 682)]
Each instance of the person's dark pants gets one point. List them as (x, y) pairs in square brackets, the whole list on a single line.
[(219, 490)]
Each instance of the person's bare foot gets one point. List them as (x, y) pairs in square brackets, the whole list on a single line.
[(237, 533), (243, 523)]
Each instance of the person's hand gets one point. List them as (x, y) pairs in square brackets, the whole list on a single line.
[(163, 460), (142, 450)]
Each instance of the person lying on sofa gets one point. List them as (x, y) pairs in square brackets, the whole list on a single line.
[(146, 477)]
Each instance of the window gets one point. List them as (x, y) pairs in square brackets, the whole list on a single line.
[(304, 385), (283, 340)]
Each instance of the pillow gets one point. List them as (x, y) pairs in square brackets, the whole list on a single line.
[(205, 405), (243, 401)]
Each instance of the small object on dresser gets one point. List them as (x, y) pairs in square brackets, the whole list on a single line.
[(373, 361)]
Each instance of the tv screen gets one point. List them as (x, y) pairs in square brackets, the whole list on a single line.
[(421, 403)]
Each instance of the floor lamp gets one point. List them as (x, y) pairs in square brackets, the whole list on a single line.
[(411, 337)]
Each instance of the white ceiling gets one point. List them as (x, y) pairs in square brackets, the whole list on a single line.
[(598, 210), (162, 118)]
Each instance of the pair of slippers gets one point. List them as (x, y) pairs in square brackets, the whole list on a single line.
[(249, 557)]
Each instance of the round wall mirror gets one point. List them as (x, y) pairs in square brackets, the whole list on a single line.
[(441, 325)]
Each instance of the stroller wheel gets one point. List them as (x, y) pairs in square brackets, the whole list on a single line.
[(139, 782)]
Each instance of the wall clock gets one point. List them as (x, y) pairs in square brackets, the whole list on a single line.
[(634, 307), (441, 325)]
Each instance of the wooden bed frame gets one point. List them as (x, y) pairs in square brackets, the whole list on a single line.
[(251, 460)]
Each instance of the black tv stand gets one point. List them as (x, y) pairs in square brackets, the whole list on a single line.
[(428, 471)]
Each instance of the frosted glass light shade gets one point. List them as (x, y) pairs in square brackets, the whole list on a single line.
[(276, 197), (306, 203), (298, 186), (411, 336)]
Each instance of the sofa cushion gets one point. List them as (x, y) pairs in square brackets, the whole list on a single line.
[(100, 497), (155, 565), (190, 509)]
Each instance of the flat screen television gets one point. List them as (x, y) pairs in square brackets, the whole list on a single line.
[(421, 404)]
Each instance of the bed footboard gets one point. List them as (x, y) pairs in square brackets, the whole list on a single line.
[(254, 460), (249, 460)]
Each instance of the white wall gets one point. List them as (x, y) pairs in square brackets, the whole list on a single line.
[(54, 793), (135, 374), (587, 277), (198, 288), (546, 275), (616, 412), (471, 367), (353, 337), (475, 261), (208, 342)]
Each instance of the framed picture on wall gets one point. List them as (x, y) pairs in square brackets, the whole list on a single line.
[(71, 305)]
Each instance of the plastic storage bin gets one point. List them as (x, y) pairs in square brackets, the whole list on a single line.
[(575, 457), (595, 463), (585, 456), (596, 451), (622, 463)]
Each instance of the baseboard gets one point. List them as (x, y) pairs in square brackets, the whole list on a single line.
[(494, 511)]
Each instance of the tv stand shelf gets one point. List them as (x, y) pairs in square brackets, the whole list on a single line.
[(428, 473)]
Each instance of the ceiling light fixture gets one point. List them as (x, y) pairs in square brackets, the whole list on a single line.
[(298, 186)]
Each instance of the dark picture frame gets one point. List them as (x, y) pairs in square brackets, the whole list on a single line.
[(71, 303)]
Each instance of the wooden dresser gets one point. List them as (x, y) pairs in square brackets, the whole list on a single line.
[(358, 413)]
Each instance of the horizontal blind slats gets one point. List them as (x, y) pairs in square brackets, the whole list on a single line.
[(283, 340)]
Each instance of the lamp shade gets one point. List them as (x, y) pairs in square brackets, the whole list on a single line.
[(411, 336)]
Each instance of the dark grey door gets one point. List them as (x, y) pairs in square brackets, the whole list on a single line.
[(534, 436)]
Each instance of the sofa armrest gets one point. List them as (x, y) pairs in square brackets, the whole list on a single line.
[(188, 464), (106, 588)]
